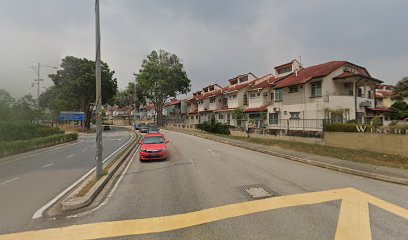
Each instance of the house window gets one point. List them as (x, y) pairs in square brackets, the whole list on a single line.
[(294, 115), (234, 96), (273, 118), (317, 89), (258, 94), (293, 89), (196, 116), (336, 117), (278, 95), (212, 100), (254, 115), (285, 70), (252, 95), (245, 99), (220, 116)]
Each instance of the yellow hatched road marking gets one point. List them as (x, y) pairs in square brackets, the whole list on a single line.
[(353, 223)]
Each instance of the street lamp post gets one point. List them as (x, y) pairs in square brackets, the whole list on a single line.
[(98, 93)]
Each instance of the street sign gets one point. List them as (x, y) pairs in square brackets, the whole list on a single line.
[(72, 116)]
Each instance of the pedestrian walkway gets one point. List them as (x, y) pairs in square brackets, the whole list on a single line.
[(383, 173)]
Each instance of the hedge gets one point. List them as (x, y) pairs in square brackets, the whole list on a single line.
[(8, 148), (344, 127), (20, 130), (214, 127)]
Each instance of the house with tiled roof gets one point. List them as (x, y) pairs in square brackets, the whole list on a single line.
[(175, 110), (383, 95), (336, 90), (234, 96)]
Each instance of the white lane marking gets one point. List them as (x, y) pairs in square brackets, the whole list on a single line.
[(8, 181), (40, 211), (191, 160), (62, 147), (47, 165), (111, 192), (70, 156), (83, 150)]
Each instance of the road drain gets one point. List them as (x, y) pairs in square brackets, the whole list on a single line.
[(258, 192)]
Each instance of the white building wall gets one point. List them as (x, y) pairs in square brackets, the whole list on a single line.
[(261, 100)]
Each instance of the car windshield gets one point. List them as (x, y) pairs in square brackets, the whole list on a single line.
[(153, 140), (155, 129)]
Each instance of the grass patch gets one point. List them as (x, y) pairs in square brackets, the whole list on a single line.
[(322, 150)]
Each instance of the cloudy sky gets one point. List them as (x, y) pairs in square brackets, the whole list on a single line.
[(216, 39)]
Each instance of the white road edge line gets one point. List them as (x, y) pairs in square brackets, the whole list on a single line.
[(70, 156), (83, 150), (8, 181), (47, 165), (110, 193), (40, 211)]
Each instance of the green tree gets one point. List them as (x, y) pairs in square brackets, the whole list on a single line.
[(401, 89), (6, 103), (74, 87), (162, 76), (401, 109), (237, 113), (131, 95), (25, 109)]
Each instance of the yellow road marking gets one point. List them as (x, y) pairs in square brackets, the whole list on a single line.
[(354, 222)]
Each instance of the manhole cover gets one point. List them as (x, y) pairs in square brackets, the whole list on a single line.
[(258, 192)]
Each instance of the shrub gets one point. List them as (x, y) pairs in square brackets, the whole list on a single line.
[(20, 130), (214, 127), (8, 148), (344, 127)]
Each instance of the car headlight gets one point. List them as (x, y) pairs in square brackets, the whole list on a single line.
[(163, 149), (144, 150)]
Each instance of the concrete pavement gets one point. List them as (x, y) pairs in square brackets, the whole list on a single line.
[(203, 174), (29, 181)]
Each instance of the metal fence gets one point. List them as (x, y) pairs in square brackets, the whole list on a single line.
[(299, 124)]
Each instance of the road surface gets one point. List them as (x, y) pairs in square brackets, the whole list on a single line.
[(28, 183), (203, 174)]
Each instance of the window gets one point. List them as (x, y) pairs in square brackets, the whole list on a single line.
[(285, 70), (254, 115), (258, 94), (336, 117), (196, 116), (317, 89), (220, 116), (271, 96), (212, 100), (294, 115), (293, 89), (278, 95), (273, 118), (245, 99), (234, 96), (252, 95)]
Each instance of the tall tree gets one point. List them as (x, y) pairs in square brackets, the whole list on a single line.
[(6, 103), (132, 95), (401, 89), (25, 109), (160, 77), (74, 85)]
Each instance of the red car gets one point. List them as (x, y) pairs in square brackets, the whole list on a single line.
[(153, 147)]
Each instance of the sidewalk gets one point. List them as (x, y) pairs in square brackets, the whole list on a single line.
[(382, 173)]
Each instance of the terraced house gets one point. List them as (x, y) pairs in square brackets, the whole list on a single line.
[(294, 98)]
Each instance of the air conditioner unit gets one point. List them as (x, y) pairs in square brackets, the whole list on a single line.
[(276, 109), (265, 94)]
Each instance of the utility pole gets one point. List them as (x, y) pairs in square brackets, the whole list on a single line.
[(98, 94), (37, 81)]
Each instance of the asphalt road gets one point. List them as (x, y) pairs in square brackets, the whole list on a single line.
[(28, 183), (202, 174)]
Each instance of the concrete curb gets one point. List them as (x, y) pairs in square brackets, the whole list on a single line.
[(356, 172), (71, 202)]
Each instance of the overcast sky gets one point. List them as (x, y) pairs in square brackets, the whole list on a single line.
[(216, 39)]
